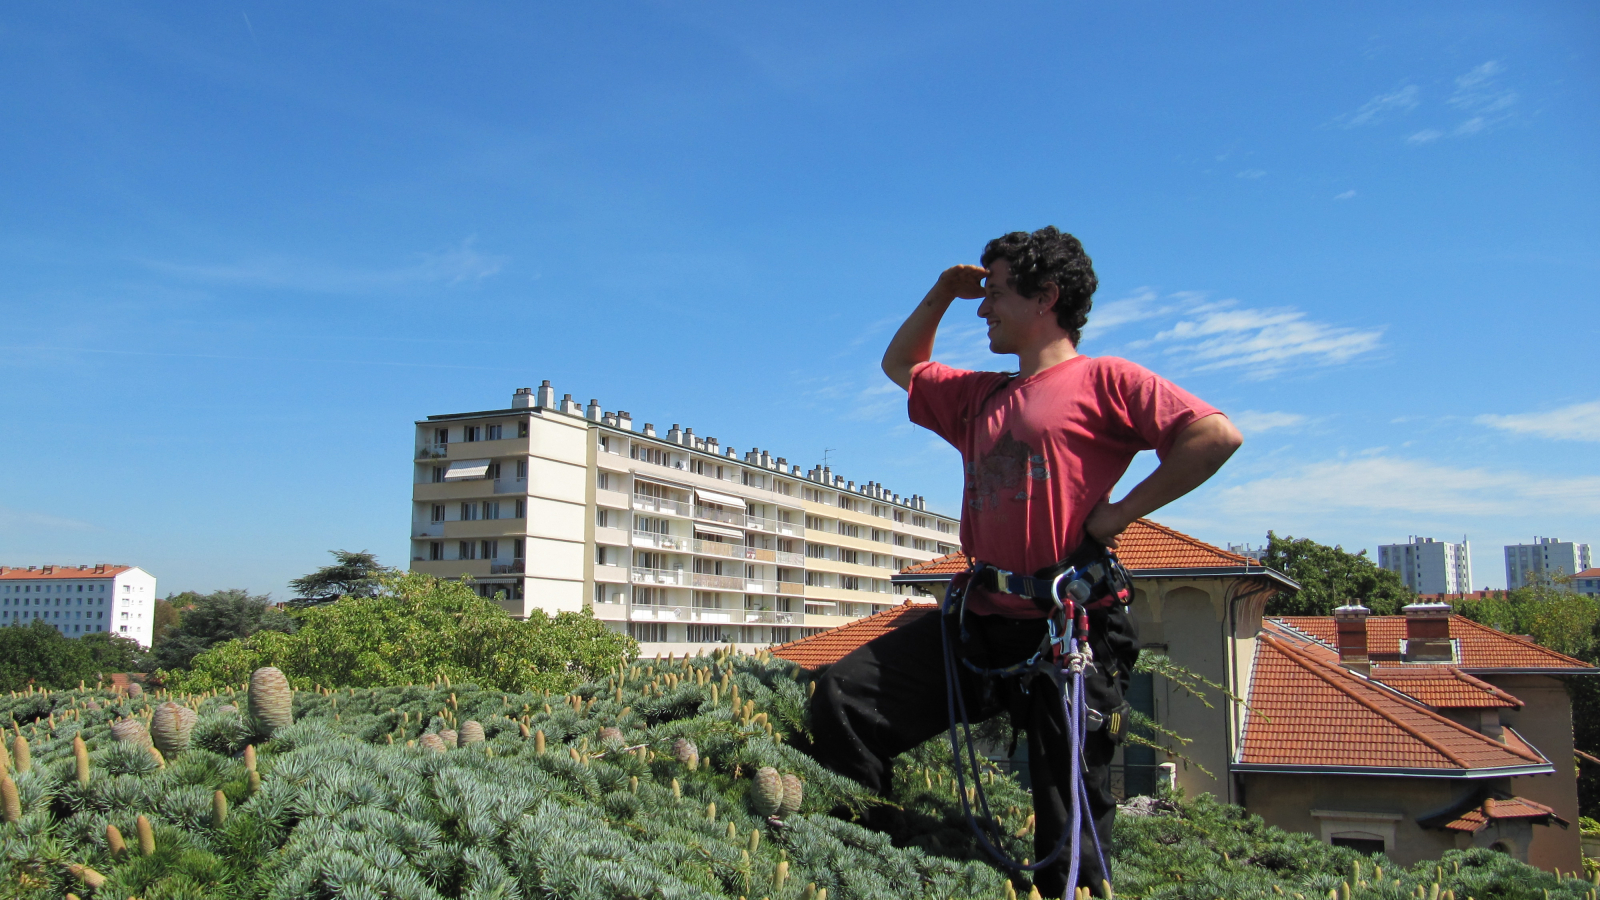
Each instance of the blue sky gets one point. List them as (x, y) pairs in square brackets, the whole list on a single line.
[(245, 246)]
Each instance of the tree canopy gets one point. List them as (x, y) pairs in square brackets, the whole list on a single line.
[(417, 629), (38, 654), (1330, 577), (206, 620), (354, 574)]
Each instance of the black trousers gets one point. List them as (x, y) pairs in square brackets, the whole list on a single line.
[(889, 695)]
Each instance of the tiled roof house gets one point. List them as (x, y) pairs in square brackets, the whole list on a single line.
[(1423, 732)]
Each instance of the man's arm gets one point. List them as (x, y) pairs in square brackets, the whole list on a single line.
[(1196, 455), (913, 343)]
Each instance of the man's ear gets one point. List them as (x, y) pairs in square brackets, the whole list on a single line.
[(1047, 296)]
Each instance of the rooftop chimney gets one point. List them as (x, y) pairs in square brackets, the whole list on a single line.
[(624, 420), (570, 406), (594, 413), (522, 399), (546, 398), (649, 429), (1351, 623), (675, 435), (1428, 633)]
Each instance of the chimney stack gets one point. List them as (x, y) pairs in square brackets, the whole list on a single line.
[(546, 398), (570, 406), (649, 429), (1428, 633), (522, 399), (625, 420), (594, 413), (1351, 622)]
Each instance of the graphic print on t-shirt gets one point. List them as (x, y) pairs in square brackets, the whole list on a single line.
[(999, 473)]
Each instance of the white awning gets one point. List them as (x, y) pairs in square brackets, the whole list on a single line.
[(467, 469), (718, 529), (705, 496)]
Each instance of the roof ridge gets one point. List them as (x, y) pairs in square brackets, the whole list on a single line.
[(1312, 666), (1454, 672)]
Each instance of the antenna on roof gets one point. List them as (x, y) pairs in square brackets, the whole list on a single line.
[(825, 456)]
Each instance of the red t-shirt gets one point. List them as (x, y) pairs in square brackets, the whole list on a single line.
[(1042, 451)]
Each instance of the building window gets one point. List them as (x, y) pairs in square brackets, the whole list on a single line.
[(492, 432), (493, 474), (441, 435), (522, 469), (516, 548), (521, 510), (469, 512), (490, 549), (438, 512), (436, 550), (603, 481), (816, 579), (465, 551), (850, 582), (522, 428), (438, 474), (471, 433), (648, 632), (704, 633), (491, 509)]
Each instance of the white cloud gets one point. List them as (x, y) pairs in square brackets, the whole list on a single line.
[(1480, 95), (1578, 422), (1223, 335), (1416, 488), (1345, 196), (33, 522), (458, 264), (1251, 174), (1382, 107), (1252, 421)]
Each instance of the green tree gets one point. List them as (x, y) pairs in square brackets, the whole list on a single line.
[(354, 574), (1330, 577), (210, 619), (165, 616), (416, 629), (38, 654)]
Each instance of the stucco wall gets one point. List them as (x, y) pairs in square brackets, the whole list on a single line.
[(1287, 801), (1546, 722)]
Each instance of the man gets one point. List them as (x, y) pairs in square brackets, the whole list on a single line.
[(1042, 450)]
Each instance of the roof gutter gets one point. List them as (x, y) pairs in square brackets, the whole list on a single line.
[(1217, 571), (1391, 771)]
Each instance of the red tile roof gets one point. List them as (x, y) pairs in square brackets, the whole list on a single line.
[(1588, 573), (1445, 687), (1144, 545), (832, 645), (1480, 647), (1307, 711), (1491, 810), (61, 573)]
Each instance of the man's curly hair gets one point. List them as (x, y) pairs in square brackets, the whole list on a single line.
[(1049, 256)]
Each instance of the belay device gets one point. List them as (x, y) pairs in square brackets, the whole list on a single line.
[(1068, 591)]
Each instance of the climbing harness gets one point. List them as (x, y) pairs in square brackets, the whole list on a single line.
[(1068, 592)]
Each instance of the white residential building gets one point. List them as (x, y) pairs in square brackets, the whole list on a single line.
[(1428, 566), (1534, 563), (78, 600), (675, 538)]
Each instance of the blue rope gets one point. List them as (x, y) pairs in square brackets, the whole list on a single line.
[(1076, 715)]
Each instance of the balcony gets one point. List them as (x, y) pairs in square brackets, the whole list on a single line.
[(773, 526), (718, 582), (661, 505), (771, 617), (430, 530), (672, 577), (720, 515), (433, 451), (511, 485), (661, 541), (515, 567)]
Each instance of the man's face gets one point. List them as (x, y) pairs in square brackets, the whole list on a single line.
[(1012, 318)]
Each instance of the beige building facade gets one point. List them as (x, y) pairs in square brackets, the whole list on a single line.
[(676, 539)]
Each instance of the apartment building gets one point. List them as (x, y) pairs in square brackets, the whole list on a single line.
[(1428, 566), (672, 537), (78, 600), (1535, 563)]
